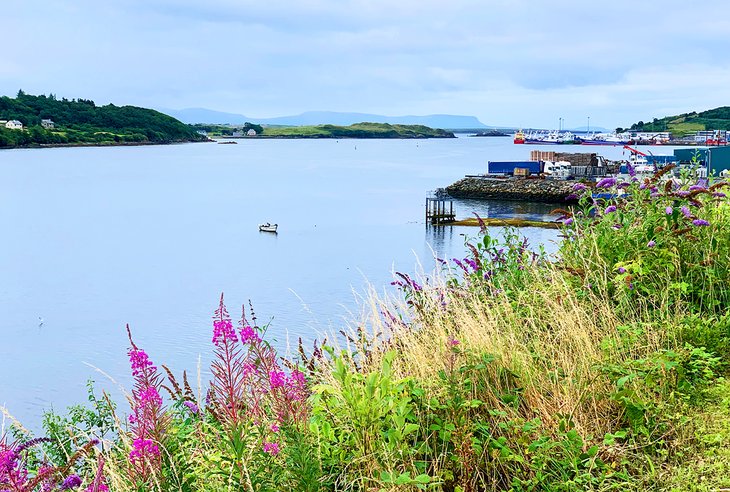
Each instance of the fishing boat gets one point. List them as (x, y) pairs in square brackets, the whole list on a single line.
[(268, 227), (519, 137)]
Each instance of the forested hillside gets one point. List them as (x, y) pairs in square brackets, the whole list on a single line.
[(81, 121), (712, 119)]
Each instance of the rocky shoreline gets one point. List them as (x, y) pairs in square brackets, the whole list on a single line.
[(519, 189)]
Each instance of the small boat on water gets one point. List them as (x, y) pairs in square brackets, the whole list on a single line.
[(268, 227)]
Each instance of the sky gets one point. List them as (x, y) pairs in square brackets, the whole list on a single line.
[(529, 63)]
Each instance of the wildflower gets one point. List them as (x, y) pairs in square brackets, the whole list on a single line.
[(669, 210), (651, 244), (71, 482), (149, 396), (274, 428), (143, 449), (571, 197), (140, 362), (700, 222), (606, 183), (249, 335), (579, 187), (696, 188), (631, 169), (453, 342), (616, 227), (686, 212), (277, 379), (683, 193), (621, 270), (471, 263), (610, 209), (719, 194), (568, 221), (223, 331), (272, 448), (624, 185), (655, 194), (192, 407)]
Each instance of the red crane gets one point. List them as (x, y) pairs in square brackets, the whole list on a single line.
[(635, 151)]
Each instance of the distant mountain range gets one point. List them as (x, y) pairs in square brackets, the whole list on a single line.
[(207, 116)]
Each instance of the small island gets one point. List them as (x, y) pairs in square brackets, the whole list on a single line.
[(46, 121), (358, 130)]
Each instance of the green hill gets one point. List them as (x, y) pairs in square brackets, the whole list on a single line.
[(82, 122), (712, 119), (358, 130)]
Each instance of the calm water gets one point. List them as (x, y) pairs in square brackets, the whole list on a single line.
[(94, 238)]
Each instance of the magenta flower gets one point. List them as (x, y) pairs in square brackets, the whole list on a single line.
[(274, 428), (249, 335), (651, 244), (700, 222), (272, 448), (669, 210), (140, 362), (223, 331), (277, 379), (610, 209), (143, 450)]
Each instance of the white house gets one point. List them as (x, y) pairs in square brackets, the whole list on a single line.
[(14, 125), (48, 124), (251, 132)]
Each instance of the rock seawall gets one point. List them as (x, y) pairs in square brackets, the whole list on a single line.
[(520, 189)]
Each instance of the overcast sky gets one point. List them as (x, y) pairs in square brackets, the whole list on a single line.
[(525, 63)]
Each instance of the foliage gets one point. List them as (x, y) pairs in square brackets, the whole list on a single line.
[(712, 119), (80, 121), (358, 130)]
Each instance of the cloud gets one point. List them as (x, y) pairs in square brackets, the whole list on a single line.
[(507, 64)]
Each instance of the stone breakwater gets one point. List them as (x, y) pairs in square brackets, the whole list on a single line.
[(520, 189)]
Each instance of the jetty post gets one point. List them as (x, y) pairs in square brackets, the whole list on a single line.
[(439, 211)]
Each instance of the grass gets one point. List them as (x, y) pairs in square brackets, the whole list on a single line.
[(600, 369)]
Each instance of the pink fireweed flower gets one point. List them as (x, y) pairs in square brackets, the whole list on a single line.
[(274, 428), (277, 379), (142, 450), (140, 362), (149, 397), (249, 335), (272, 448), (223, 331)]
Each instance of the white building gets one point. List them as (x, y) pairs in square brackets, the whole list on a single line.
[(48, 124), (14, 125), (251, 132)]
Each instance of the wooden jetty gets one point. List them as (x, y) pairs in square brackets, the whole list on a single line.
[(440, 211)]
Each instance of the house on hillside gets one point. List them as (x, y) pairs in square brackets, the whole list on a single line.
[(251, 132), (14, 125), (48, 124)]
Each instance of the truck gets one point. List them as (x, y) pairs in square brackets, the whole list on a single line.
[(556, 169)]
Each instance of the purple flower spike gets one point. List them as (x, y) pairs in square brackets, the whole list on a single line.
[(568, 221), (700, 222), (683, 193), (606, 183), (719, 194), (571, 197), (685, 211), (192, 407), (71, 482), (696, 188), (621, 270), (651, 244), (669, 210), (579, 187), (610, 209)]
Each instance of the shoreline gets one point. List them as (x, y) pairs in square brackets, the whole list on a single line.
[(101, 144)]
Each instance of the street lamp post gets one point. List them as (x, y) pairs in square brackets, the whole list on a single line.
[(589, 124)]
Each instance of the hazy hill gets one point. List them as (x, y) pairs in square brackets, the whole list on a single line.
[(712, 119), (202, 115)]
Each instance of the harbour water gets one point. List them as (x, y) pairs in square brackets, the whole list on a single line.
[(95, 238)]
